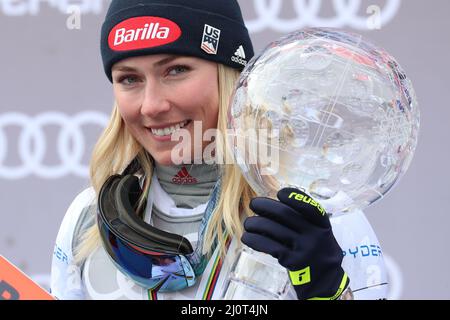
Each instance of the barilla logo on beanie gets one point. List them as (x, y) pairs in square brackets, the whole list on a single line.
[(143, 32)]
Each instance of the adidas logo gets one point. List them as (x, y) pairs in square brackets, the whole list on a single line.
[(240, 52), (183, 177), (239, 56)]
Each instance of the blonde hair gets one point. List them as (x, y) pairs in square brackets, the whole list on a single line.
[(116, 148)]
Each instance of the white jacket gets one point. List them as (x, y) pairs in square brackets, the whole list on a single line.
[(98, 278)]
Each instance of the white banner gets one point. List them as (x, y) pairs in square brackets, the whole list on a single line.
[(268, 12)]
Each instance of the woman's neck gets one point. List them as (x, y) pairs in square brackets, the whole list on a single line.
[(189, 185)]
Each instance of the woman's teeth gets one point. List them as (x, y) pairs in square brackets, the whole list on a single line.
[(169, 130)]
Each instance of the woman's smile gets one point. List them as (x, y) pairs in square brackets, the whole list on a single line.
[(164, 132)]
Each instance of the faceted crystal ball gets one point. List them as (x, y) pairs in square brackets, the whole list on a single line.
[(325, 111)]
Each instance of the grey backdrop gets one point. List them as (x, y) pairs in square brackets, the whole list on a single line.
[(55, 99)]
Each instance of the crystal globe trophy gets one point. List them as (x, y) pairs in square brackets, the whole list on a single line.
[(324, 111)]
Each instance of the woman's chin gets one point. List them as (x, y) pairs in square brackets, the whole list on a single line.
[(169, 158), (163, 160)]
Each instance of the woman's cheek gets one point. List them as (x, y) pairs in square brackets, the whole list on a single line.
[(125, 114), (129, 108)]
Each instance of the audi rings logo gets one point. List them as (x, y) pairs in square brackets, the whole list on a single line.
[(268, 12), (308, 14), (32, 143)]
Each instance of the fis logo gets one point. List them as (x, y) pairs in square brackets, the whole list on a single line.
[(211, 38), (239, 56)]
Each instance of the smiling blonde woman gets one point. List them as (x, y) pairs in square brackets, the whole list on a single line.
[(152, 229)]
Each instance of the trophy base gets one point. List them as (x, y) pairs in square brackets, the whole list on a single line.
[(256, 276)]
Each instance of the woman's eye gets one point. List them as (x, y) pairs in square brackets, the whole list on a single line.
[(128, 80), (176, 70)]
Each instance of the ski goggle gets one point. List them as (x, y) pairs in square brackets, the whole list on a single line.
[(151, 257)]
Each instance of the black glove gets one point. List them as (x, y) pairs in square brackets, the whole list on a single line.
[(297, 231)]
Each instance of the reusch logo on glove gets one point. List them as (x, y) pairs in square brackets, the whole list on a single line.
[(308, 200), (300, 277), (143, 32)]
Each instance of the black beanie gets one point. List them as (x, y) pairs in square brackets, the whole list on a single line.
[(209, 29)]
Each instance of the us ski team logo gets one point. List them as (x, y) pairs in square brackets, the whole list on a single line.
[(211, 38)]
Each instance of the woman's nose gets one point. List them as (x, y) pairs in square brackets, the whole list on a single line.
[(155, 101)]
